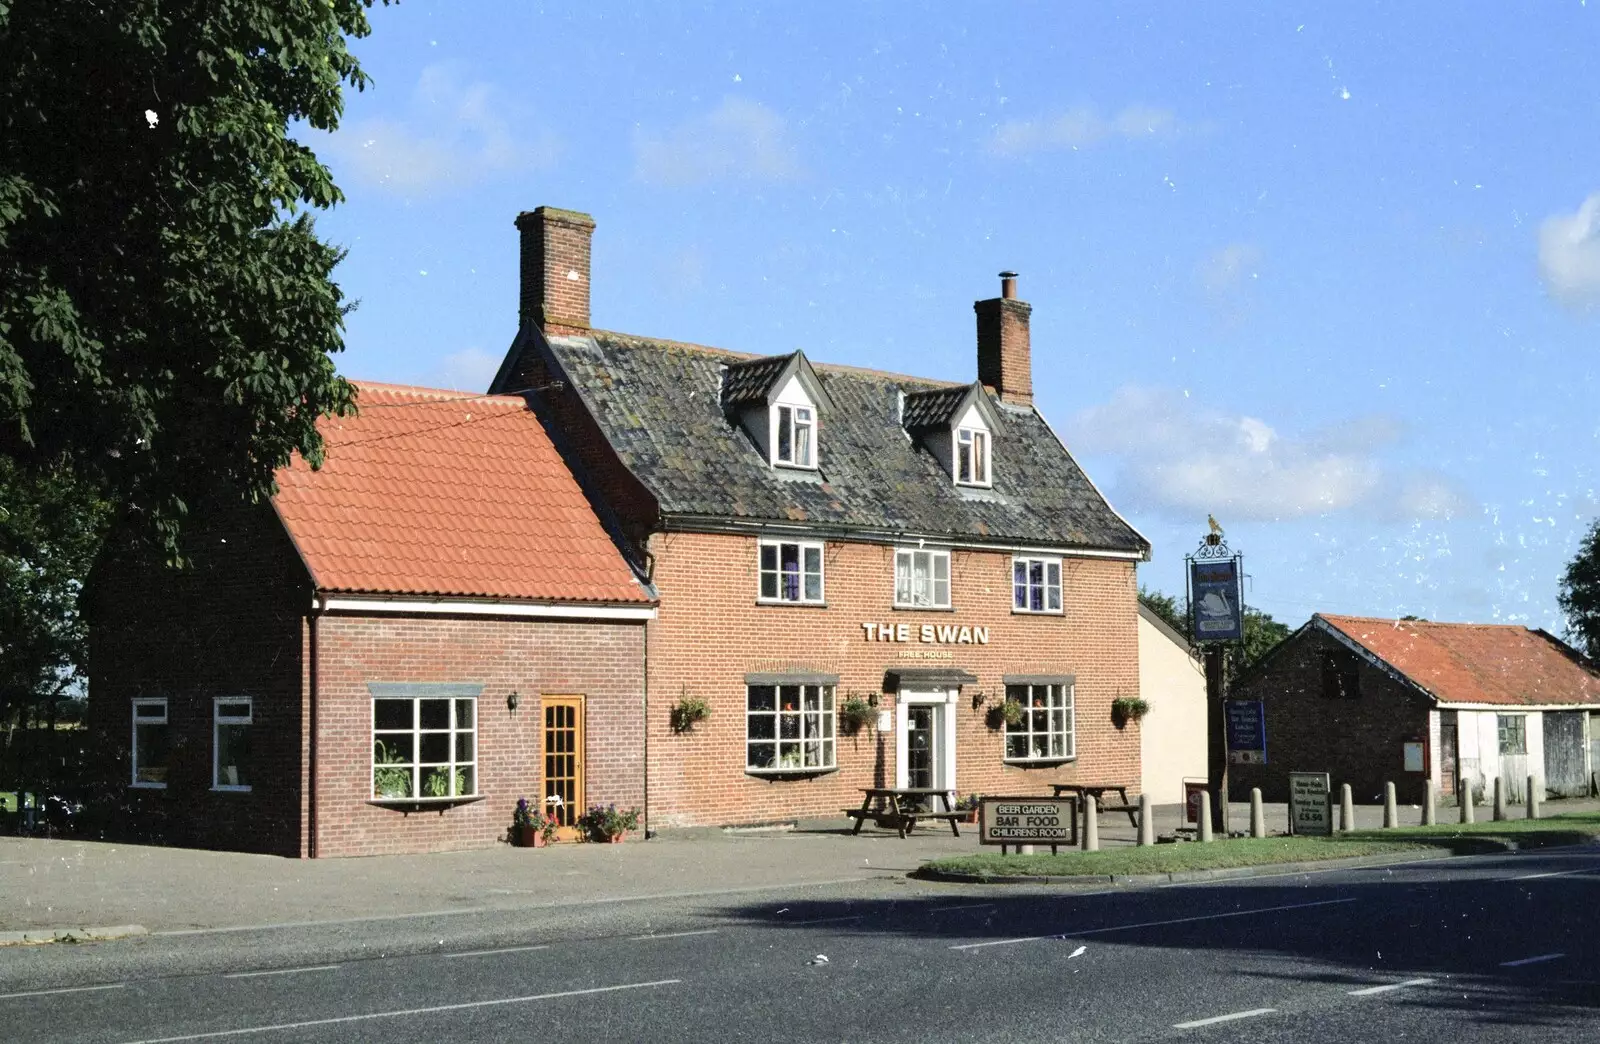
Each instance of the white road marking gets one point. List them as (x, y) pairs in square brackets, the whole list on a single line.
[(64, 989), (1151, 924), (1553, 873), (281, 971), (1532, 960), (826, 920), (487, 953), (408, 1011), (968, 906), (1389, 987), (1213, 1020), (676, 935)]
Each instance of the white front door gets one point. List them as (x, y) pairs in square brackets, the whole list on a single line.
[(925, 739)]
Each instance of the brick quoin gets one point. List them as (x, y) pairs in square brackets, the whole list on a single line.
[(710, 632)]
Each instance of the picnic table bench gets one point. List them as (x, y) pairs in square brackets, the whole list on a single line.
[(1098, 792), (904, 817)]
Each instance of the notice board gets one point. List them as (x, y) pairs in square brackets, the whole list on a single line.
[(1027, 821), (1310, 810)]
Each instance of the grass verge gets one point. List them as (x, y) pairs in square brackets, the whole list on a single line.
[(1470, 839)]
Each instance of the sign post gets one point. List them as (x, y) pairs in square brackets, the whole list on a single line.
[(1216, 620), (1028, 821), (1310, 809), (1247, 732)]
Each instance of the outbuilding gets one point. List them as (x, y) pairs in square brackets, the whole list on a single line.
[(386, 656), (1375, 700)]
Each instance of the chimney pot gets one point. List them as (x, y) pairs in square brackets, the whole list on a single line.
[(555, 267), (1004, 355)]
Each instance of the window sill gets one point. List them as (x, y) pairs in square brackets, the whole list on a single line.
[(973, 485), (925, 608), (407, 806), (790, 773), (148, 786), (1040, 762), (230, 790), (1038, 612), (785, 603)]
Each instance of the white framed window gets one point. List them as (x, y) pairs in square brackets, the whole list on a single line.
[(789, 728), (1036, 585), (922, 579), (152, 743), (230, 743), (424, 747), (794, 442), (791, 571), (1045, 731), (972, 457)]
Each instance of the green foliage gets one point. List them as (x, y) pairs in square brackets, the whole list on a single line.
[(1008, 713), (389, 782), (602, 822), (1579, 594), (51, 526), (1128, 708), (1165, 606), (854, 713), (437, 783), (167, 312), (688, 711), (1261, 632)]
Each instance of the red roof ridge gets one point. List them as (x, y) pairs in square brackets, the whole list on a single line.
[(707, 349), (426, 394), (1424, 623)]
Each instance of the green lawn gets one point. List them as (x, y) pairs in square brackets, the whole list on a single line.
[(1569, 829)]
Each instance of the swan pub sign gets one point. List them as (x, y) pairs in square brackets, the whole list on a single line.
[(1217, 613)]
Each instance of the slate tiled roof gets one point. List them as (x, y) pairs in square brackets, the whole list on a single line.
[(658, 404), (747, 383), (927, 410), (431, 493), (1475, 663)]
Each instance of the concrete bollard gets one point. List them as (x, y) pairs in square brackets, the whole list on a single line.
[(1024, 850), (1533, 797), (1499, 799), (1466, 801), (1091, 825), (1429, 801), (1205, 819), (1147, 823), (1391, 814), (1347, 809), (1258, 815)]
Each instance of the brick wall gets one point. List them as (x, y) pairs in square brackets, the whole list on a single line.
[(1356, 741), (227, 625), (600, 661), (710, 632), (555, 267)]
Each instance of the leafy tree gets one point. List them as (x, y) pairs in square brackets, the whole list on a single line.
[(1261, 632), (1166, 607), (1579, 594), (167, 312)]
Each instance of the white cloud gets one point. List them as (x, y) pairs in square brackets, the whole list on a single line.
[(1569, 255), (738, 139), (1185, 461), (1081, 127), (469, 370), (454, 135), (1229, 268)]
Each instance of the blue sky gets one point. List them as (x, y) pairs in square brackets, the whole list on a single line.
[(1330, 274)]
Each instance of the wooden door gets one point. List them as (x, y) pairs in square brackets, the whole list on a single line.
[(1565, 774), (563, 762)]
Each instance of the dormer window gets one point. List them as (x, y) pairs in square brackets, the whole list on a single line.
[(795, 437), (972, 457)]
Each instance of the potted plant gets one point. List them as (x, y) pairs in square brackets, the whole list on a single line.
[(854, 713), (531, 828), (390, 779), (969, 805), (609, 823), (1127, 708), (1007, 713), (689, 710)]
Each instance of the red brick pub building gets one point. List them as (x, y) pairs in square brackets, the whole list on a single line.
[(386, 657), (823, 536)]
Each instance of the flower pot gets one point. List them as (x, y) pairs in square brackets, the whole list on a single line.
[(527, 837), (616, 839)]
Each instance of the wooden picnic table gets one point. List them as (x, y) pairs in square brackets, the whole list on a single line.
[(1098, 792), (904, 818)]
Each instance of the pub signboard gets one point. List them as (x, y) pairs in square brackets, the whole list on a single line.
[(1247, 732), (1310, 810), (1027, 821)]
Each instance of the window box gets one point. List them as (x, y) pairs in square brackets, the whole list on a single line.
[(1036, 585), (410, 805), (921, 579), (790, 572)]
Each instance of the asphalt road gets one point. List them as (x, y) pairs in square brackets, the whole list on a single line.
[(1491, 949)]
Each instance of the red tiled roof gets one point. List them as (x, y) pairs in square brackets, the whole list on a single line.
[(1476, 663), (435, 493)]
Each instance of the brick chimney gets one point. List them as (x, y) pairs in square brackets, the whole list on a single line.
[(555, 267), (1005, 362)]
